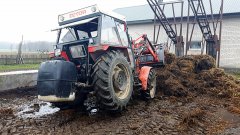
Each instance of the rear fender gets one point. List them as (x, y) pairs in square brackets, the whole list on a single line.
[(143, 76), (127, 52)]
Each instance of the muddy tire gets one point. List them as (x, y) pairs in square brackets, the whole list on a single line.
[(151, 86), (113, 81)]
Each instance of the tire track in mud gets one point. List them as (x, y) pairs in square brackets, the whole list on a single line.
[(163, 115)]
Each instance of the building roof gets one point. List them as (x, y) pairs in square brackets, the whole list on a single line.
[(144, 13)]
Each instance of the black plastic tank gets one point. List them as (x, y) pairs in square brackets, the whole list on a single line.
[(56, 77)]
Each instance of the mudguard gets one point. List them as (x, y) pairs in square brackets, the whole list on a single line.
[(143, 76)]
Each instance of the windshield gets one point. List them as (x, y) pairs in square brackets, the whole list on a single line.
[(84, 29), (67, 35)]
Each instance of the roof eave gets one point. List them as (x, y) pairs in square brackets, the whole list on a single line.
[(237, 14)]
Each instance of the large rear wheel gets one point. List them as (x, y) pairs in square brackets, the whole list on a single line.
[(113, 81)]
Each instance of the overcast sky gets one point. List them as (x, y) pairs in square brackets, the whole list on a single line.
[(33, 18)]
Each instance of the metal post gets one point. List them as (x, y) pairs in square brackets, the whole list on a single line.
[(214, 28), (159, 28), (174, 19), (181, 23), (187, 44), (220, 35), (154, 31)]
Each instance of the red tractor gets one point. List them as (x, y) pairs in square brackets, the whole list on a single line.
[(96, 63)]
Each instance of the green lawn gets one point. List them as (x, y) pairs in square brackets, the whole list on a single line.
[(235, 74), (5, 68)]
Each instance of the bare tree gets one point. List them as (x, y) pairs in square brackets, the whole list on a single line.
[(19, 59)]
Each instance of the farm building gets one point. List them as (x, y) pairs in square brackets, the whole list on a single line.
[(140, 20)]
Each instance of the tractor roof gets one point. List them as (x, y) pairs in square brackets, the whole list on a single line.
[(85, 13)]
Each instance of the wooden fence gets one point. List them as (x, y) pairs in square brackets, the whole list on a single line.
[(27, 59)]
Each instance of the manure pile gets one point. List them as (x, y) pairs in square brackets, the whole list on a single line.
[(194, 98), (195, 74)]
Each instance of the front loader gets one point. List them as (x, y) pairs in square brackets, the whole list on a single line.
[(95, 64)]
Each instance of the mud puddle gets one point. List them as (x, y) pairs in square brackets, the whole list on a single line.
[(36, 110), (228, 116), (233, 121)]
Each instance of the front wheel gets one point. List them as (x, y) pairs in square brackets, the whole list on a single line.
[(150, 93), (113, 81)]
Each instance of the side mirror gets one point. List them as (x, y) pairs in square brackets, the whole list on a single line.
[(130, 38), (91, 41)]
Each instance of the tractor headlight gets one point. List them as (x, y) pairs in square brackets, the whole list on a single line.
[(57, 52), (60, 18), (94, 9)]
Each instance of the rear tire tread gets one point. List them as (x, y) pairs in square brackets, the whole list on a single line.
[(100, 81)]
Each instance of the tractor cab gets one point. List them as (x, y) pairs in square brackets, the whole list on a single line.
[(89, 30)]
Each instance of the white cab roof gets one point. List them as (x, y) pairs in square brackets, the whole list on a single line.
[(90, 10)]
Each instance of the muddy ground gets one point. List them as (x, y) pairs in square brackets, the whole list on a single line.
[(190, 100)]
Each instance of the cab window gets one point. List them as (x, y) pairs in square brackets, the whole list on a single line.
[(82, 34), (78, 51), (122, 33), (109, 31), (86, 29), (67, 35)]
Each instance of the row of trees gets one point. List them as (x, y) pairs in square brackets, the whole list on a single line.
[(37, 46), (27, 46)]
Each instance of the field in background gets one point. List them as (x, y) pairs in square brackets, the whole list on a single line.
[(24, 53), (9, 58), (236, 74), (6, 68)]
